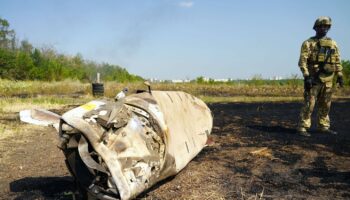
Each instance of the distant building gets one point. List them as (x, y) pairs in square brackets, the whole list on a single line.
[(276, 78), (180, 81), (222, 80)]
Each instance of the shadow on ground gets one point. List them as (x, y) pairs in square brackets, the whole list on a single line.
[(43, 187)]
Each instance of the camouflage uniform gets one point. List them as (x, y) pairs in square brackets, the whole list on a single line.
[(319, 60)]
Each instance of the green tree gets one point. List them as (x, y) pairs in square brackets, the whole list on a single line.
[(23, 65), (346, 71), (257, 79), (7, 35), (25, 62), (7, 62), (26, 46), (200, 79)]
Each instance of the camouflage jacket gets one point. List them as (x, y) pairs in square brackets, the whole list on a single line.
[(320, 58)]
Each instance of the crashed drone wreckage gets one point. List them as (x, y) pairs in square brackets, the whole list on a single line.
[(118, 149)]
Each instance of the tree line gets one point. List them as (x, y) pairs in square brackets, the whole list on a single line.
[(22, 61)]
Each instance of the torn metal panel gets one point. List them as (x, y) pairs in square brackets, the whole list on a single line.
[(118, 149), (39, 117), (188, 120)]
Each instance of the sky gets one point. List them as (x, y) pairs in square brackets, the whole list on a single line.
[(181, 39)]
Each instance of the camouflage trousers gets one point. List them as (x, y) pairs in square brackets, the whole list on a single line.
[(319, 95)]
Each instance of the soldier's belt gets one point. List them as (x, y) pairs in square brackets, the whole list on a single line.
[(322, 63)]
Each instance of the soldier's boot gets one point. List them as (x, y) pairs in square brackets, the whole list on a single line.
[(303, 132), (327, 131)]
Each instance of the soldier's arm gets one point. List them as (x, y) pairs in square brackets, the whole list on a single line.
[(304, 55), (338, 66)]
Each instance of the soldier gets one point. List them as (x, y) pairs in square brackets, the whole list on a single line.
[(319, 62)]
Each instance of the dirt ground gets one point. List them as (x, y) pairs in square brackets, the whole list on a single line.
[(256, 154)]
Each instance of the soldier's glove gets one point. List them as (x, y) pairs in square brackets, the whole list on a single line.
[(308, 82), (340, 81)]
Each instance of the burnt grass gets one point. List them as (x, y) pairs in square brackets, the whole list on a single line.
[(284, 165)]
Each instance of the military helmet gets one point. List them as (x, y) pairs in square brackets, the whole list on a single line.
[(323, 21)]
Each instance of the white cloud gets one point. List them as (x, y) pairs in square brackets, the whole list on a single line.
[(186, 4)]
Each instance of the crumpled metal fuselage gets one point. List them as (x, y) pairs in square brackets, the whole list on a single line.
[(120, 149)]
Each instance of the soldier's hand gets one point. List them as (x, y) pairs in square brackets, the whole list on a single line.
[(308, 82), (340, 81)]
